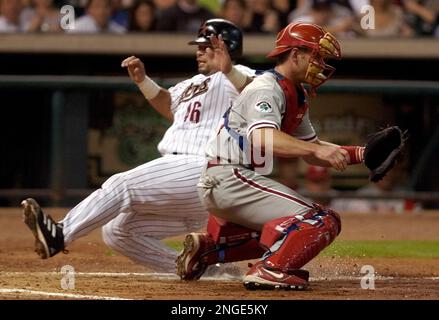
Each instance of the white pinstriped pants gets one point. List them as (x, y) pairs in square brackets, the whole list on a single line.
[(139, 207)]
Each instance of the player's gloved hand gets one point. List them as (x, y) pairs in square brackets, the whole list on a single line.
[(383, 150), (136, 68)]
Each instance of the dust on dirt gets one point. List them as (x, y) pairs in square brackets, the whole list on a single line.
[(331, 277)]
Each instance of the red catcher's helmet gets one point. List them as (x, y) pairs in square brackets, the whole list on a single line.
[(323, 45)]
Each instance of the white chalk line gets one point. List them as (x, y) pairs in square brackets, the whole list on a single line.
[(171, 276), (163, 276), (94, 274), (58, 295)]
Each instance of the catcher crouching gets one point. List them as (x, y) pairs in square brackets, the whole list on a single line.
[(253, 216)]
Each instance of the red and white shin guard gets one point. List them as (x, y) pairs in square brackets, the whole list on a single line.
[(296, 240), (293, 241)]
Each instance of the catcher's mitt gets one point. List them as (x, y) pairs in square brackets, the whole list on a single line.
[(382, 151)]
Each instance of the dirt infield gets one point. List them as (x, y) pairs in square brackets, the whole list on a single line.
[(100, 274)]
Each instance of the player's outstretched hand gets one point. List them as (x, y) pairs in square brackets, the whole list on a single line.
[(135, 67), (219, 54), (337, 157)]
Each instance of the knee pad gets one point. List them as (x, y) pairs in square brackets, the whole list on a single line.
[(232, 242), (107, 233), (296, 240), (222, 231)]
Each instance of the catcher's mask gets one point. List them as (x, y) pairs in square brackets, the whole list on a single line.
[(322, 44), (231, 34)]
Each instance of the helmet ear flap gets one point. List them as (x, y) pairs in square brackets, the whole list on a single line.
[(231, 45), (231, 40)]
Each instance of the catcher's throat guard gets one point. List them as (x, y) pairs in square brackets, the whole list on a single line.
[(318, 71)]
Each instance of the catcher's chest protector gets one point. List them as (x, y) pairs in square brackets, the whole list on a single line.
[(296, 240), (296, 105)]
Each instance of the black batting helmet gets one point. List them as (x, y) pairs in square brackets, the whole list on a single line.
[(231, 34)]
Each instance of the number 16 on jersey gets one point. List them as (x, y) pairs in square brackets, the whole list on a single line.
[(193, 112)]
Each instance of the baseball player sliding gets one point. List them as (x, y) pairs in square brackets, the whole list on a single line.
[(158, 199), (252, 215)]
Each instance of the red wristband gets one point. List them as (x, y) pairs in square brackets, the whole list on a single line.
[(356, 154)]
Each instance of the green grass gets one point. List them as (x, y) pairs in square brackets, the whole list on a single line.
[(384, 248), (371, 249), (176, 245)]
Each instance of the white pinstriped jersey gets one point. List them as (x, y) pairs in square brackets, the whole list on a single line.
[(198, 104), (261, 104)]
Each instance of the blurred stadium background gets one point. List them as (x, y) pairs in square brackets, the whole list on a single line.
[(72, 117)]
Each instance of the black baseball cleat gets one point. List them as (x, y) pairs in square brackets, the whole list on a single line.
[(49, 238)]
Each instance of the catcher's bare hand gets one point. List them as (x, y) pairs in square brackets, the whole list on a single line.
[(219, 54), (135, 67), (338, 158)]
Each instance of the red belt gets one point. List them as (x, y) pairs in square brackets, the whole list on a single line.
[(213, 163)]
